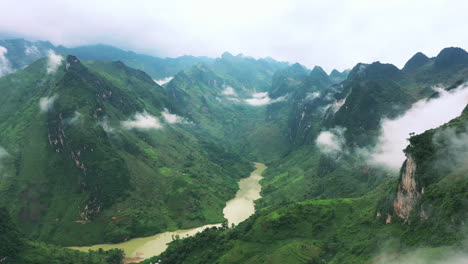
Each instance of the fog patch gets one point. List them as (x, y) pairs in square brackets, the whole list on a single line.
[(75, 118), (104, 123), (452, 148), (143, 121), (172, 118), (3, 155), (312, 96), (53, 62), (229, 91), (423, 256), (259, 99), (233, 99), (46, 103), (337, 105), (5, 66), (31, 50), (164, 80), (422, 116), (332, 142)]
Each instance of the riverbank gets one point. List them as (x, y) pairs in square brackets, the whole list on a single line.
[(238, 209)]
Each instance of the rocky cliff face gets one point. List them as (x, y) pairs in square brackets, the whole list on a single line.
[(408, 192)]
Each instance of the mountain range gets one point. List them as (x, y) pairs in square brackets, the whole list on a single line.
[(94, 150)]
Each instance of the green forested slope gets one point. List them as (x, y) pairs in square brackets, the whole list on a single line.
[(359, 230), (76, 175)]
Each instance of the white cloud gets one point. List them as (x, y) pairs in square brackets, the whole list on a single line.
[(172, 118), (53, 62), (332, 141), (423, 256), (233, 99), (31, 50), (312, 96), (423, 115), (452, 148), (260, 95), (163, 80), (46, 103), (142, 121), (3, 154), (104, 123), (75, 118), (5, 67), (229, 91), (259, 99)]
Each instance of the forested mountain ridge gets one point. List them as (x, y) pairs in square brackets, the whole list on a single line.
[(19, 53), (96, 151), (93, 145), (416, 218)]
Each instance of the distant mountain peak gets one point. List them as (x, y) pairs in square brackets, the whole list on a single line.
[(451, 56), (318, 72), (337, 76), (418, 60), (297, 67), (334, 72), (374, 70), (227, 55), (318, 69)]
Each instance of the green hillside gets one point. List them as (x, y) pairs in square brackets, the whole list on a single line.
[(76, 175), (367, 229), (93, 150)]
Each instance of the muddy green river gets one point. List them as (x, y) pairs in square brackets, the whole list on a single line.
[(237, 210)]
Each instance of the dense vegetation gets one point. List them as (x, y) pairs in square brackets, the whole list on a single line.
[(16, 248), (350, 230), (95, 151), (80, 177)]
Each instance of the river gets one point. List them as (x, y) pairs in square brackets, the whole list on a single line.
[(236, 210)]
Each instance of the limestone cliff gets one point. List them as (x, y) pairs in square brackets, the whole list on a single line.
[(408, 191)]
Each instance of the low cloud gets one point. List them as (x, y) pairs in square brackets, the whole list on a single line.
[(46, 103), (75, 118), (229, 91), (423, 256), (452, 148), (143, 121), (5, 66), (53, 62), (3, 154), (172, 118), (332, 142), (31, 50), (164, 80), (233, 99), (312, 96), (259, 99), (104, 123), (422, 116)]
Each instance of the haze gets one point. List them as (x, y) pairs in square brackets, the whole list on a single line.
[(333, 34)]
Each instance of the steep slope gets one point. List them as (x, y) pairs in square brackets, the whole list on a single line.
[(352, 112), (96, 153), (358, 230), (17, 249), (227, 105)]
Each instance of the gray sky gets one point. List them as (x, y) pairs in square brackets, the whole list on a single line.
[(330, 33)]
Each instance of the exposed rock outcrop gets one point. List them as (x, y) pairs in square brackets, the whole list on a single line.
[(408, 193)]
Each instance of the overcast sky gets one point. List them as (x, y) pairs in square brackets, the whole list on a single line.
[(331, 33)]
